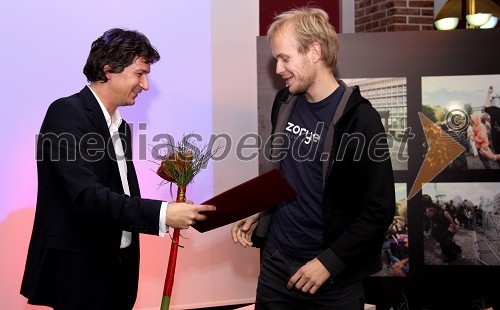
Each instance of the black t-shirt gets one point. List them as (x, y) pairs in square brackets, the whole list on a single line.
[(297, 226)]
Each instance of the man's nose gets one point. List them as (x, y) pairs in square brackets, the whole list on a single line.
[(144, 82)]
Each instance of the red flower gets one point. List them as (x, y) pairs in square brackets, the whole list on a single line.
[(176, 166), (163, 173)]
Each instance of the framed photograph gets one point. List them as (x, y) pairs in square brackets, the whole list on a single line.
[(461, 223), (389, 97), (396, 248), (467, 108)]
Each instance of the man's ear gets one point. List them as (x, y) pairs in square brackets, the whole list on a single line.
[(106, 69), (315, 51)]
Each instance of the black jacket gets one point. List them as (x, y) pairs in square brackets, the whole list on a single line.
[(81, 209), (359, 195)]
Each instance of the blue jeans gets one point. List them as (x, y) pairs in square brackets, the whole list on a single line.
[(273, 294)]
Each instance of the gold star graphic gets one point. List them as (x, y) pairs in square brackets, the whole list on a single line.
[(442, 150)]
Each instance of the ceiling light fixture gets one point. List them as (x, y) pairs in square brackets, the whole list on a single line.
[(467, 14)]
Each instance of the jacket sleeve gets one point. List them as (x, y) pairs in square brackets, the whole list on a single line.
[(359, 195)]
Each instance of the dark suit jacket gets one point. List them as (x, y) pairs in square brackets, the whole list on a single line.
[(81, 210)]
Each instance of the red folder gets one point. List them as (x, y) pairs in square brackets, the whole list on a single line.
[(255, 195)]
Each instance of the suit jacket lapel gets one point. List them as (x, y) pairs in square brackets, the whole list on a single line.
[(96, 117), (94, 112), (133, 183)]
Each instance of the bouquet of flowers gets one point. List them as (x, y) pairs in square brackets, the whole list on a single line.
[(180, 166)]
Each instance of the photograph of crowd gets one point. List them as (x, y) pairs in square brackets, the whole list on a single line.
[(467, 108), (395, 250), (461, 223)]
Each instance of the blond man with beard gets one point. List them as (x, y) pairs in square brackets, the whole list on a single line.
[(318, 247)]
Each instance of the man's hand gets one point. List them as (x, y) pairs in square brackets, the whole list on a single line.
[(242, 230), (182, 215), (309, 277)]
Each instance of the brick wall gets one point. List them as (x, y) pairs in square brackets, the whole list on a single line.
[(393, 15)]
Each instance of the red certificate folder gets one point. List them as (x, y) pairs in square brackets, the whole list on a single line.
[(253, 196)]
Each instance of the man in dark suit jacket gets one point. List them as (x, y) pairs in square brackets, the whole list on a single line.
[(84, 249)]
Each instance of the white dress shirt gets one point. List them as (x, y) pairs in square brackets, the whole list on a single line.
[(114, 121)]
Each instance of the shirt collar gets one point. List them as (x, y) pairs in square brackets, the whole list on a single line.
[(114, 119)]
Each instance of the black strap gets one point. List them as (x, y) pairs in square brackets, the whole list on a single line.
[(281, 97)]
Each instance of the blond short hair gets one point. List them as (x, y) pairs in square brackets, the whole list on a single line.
[(308, 25)]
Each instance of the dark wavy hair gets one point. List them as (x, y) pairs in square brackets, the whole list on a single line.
[(117, 48)]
